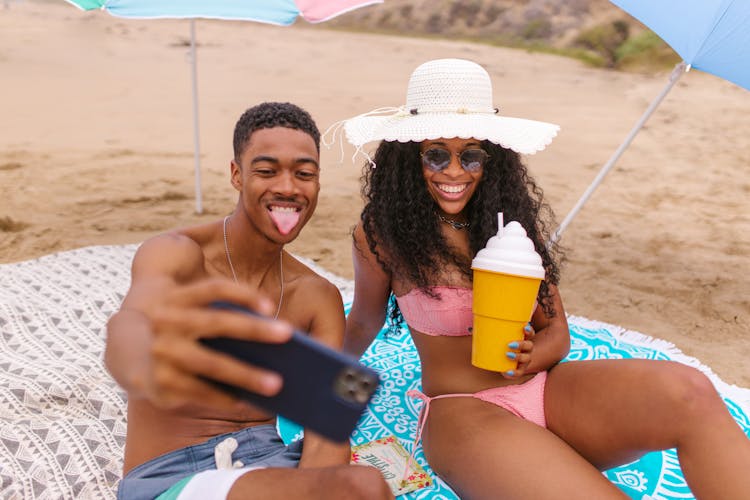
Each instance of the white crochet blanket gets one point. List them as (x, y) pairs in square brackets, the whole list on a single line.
[(62, 429), (62, 417)]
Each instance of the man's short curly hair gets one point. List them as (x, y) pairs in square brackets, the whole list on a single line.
[(269, 115)]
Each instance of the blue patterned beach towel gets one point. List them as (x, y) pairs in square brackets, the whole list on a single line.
[(656, 475)]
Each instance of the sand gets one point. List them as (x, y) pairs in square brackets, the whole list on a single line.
[(96, 147)]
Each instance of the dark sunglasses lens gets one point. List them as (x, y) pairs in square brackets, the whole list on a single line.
[(473, 159), (436, 159)]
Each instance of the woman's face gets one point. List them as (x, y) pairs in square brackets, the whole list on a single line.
[(452, 169)]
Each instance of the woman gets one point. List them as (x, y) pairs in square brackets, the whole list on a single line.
[(447, 163)]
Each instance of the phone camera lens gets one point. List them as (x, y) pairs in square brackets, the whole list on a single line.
[(354, 385)]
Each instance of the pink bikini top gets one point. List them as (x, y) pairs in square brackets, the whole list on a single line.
[(448, 315)]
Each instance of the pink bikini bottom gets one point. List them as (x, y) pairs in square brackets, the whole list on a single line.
[(522, 400)]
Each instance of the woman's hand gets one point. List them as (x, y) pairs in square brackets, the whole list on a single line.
[(521, 352)]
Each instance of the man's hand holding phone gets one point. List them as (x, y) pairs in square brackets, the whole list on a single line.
[(324, 390), (180, 365)]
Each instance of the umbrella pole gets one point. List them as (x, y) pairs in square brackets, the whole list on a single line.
[(196, 130), (677, 72)]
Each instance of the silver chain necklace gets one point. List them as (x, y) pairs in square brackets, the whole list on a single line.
[(454, 224), (234, 275)]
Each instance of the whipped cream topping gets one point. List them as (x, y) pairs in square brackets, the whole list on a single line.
[(510, 251)]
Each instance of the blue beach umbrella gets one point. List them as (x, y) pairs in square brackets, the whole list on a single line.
[(709, 35), (279, 12)]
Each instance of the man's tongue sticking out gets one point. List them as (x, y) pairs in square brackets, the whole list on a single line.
[(285, 218)]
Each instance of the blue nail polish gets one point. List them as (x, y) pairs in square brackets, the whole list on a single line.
[(513, 345), (527, 328), (511, 355), (510, 372)]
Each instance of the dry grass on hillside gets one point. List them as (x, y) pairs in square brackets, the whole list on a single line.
[(593, 30)]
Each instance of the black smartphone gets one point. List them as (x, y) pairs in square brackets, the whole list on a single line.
[(324, 390)]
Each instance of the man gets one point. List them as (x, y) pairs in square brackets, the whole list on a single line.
[(184, 434)]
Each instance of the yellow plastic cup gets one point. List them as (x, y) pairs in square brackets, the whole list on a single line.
[(502, 306)]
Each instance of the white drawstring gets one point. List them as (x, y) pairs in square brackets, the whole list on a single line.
[(335, 128), (223, 454), (334, 133)]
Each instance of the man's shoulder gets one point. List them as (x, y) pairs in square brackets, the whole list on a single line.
[(303, 271), (315, 304), (306, 277), (176, 253), (172, 241)]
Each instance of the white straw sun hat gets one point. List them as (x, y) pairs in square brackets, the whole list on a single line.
[(449, 98)]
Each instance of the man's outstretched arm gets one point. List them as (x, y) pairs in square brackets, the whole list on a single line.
[(152, 349)]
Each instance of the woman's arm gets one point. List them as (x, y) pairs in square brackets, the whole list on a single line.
[(372, 287)]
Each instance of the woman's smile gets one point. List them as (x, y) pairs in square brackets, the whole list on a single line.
[(452, 191)]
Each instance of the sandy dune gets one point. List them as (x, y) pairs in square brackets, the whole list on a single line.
[(96, 147)]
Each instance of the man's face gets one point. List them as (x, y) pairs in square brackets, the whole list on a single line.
[(278, 179)]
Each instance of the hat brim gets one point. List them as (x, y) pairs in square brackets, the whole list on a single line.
[(518, 134)]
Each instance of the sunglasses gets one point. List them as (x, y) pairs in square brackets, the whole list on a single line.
[(438, 159)]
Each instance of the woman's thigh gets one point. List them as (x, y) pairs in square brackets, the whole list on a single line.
[(482, 451), (612, 411)]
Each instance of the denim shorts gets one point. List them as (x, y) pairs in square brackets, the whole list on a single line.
[(258, 446)]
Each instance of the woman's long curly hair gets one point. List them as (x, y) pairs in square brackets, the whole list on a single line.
[(399, 215)]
